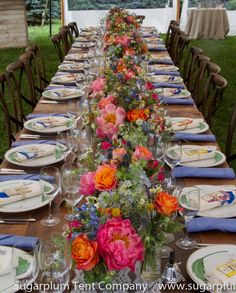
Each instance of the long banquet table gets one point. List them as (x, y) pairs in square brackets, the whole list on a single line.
[(36, 229)]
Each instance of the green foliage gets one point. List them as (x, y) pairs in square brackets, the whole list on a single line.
[(230, 5)]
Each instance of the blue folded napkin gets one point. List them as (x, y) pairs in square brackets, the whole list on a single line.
[(174, 101), (150, 35), (155, 61), (194, 137), (36, 141), (163, 72), (158, 49), (169, 85), (206, 224), (21, 242), (60, 87), (31, 116), (19, 177), (219, 173)]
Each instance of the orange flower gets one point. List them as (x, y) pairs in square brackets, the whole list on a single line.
[(121, 66), (165, 204), (142, 152), (105, 178), (84, 252), (129, 51), (136, 114)]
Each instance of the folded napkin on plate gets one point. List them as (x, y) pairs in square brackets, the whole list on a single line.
[(173, 101), (194, 137), (28, 142), (207, 224), (219, 173), (21, 242), (33, 152), (48, 122), (187, 123), (161, 61), (197, 154), (165, 72), (55, 87), (155, 48), (150, 35), (23, 190), (32, 116), (168, 84), (19, 177)]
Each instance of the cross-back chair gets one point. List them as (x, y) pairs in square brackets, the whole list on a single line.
[(175, 31), (169, 31), (74, 29), (58, 44), (182, 43), (230, 156), (67, 38)]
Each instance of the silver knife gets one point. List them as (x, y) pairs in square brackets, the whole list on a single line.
[(17, 221)]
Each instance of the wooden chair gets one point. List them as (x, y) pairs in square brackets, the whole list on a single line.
[(40, 66), (58, 44), (229, 140), (182, 43), (212, 96), (169, 31), (67, 38), (74, 29), (175, 31)]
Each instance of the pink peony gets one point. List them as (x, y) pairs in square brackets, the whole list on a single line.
[(119, 244), (129, 74), (108, 124), (87, 185), (142, 152), (105, 101), (105, 145), (98, 85), (123, 40)]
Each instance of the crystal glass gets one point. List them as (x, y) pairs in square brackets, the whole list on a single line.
[(55, 262), (65, 143), (190, 205), (50, 185)]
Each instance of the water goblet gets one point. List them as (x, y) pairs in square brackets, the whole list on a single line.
[(50, 185), (190, 205), (64, 143)]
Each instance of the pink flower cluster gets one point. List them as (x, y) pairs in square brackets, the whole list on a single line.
[(98, 85), (87, 185), (123, 40)]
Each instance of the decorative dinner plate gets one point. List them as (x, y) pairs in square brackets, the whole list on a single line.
[(49, 154), (84, 44), (60, 94), (78, 57), (189, 125), (198, 156), (211, 200), (174, 93), (164, 67), (166, 78), (28, 204), (64, 78), (71, 67), (24, 267), (213, 265), (49, 124), (160, 57)]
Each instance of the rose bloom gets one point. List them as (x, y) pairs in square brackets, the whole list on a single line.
[(105, 178), (98, 85), (119, 244), (135, 114), (165, 204), (129, 51), (149, 86), (121, 67), (129, 74), (87, 185), (105, 145), (142, 152), (105, 101), (84, 252), (118, 154)]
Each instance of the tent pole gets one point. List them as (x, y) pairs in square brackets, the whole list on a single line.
[(62, 13)]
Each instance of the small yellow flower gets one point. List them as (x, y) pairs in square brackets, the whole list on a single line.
[(150, 207), (116, 212)]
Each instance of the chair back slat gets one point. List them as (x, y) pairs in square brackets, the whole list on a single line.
[(58, 44), (74, 29)]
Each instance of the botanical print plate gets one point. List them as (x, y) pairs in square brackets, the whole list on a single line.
[(71, 67), (24, 263), (217, 201), (60, 94), (87, 44), (174, 93), (198, 156), (213, 265), (164, 67), (64, 78), (29, 190), (166, 78), (188, 125), (78, 57), (160, 56), (35, 155), (49, 124)]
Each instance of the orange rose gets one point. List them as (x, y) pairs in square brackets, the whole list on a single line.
[(129, 51), (165, 204), (84, 252), (105, 178), (142, 152), (136, 114), (121, 66)]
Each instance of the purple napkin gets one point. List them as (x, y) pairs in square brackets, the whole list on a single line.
[(207, 224), (154, 61), (21, 242), (36, 141), (19, 177), (194, 137), (150, 35), (158, 49), (169, 85), (174, 101), (31, 116), (60, 87), (163, 72), (219, 173)]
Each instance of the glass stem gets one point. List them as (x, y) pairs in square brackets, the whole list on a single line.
[(186, 236), (49, 209)]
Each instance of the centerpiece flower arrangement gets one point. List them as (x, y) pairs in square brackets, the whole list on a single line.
[(127, 210)]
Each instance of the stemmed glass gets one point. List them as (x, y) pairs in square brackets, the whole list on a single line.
[(70, 178), (50, 185), (190, 205), (64, 143)]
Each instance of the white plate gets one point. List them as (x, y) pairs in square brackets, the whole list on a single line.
[(164, 67), (65, 124), (208, 260), (84, 44), (26, 204), (166, 78), (226, 211), (218, 159), (78, 57), (174, 93), (160, 56), (60, 94), (202, 126), (64, 78), (40, 162), (71, 66), (7, 280)]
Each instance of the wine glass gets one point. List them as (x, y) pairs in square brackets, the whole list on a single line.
[(190, 205), (70, 178), (64, 143), (55, 263), (50, 185)]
